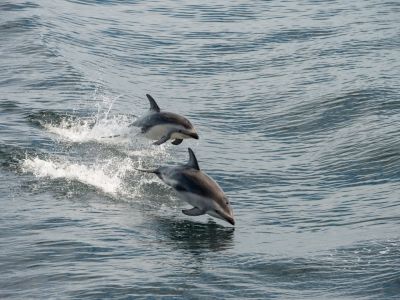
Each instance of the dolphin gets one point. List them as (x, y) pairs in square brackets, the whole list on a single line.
[(198, 189), (163, 126)]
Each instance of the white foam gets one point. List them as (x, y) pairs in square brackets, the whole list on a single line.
[(116, 176), (85, 130), (101, 126), (103, 177)]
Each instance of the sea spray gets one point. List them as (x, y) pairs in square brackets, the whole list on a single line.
[(114, 129), (97, 175)]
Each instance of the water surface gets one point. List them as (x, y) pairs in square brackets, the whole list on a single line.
[(297, 106)]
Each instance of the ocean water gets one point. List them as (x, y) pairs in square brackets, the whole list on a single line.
[(297, 104)]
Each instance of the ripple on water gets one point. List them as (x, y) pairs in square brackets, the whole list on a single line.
[(297, 106)]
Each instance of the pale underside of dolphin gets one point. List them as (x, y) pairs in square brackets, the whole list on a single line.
[(198, 189), (163, 126)]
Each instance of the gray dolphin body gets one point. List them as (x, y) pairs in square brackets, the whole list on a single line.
[(163, 126), (195, 187)]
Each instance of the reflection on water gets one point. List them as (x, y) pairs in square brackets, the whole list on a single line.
[(195, 236)]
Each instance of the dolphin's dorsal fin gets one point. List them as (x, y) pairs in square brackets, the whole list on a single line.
[(153, 103), (192, 160)]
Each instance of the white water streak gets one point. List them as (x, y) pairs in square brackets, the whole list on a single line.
[(102, 127), (103, 130), (100, 176)]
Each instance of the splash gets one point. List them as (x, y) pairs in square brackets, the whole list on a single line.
[(108, 130), (101, 126), (106, 177), (110, 169), (117, 176)]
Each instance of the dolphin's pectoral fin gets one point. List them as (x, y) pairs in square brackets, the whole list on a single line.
[(162, 140), (194, 211), (176, 141)]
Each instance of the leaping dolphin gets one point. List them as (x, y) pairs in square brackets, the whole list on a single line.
[(195, 187), (163, 126)]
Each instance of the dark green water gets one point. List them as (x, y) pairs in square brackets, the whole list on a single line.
[(297, 105)]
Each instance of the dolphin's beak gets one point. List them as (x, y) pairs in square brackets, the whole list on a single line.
[(226, 216), (194, 135), (230, 220)]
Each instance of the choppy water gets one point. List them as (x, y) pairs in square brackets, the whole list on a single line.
[(297, 105)]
